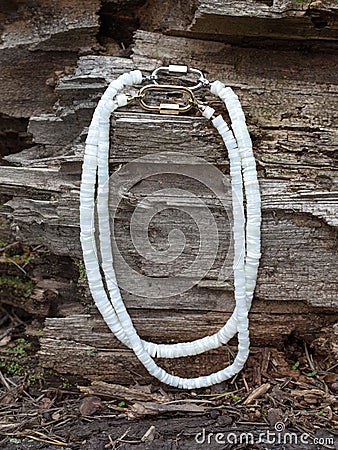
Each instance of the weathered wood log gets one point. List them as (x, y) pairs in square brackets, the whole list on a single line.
[(37, 40), (244, 21), (82, 344), (302, 194), (289, 98)]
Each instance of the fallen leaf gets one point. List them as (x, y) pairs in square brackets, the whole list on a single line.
[(56, 415), (313, 397), (89, 405), (45, 403), (331, 379), (275, 415)]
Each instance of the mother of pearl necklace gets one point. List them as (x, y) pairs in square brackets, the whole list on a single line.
[(246, 225)]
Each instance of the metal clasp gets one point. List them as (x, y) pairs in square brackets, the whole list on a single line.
[(166, 108), (179, 70)]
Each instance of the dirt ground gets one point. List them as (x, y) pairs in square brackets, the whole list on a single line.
[(294, 411), (220, 428), (171, 433)]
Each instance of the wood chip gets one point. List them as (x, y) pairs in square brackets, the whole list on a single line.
[(149, 435), (118, 392), (5, 340), (139, 409), (256, 393)]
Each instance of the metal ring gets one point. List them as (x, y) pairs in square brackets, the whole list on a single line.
[(202, 81), (166, 108)]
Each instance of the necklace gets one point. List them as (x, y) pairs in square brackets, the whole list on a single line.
[(246, 224)]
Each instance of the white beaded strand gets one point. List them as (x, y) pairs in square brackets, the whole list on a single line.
[(253, 233), (102, 195), (113, 310)]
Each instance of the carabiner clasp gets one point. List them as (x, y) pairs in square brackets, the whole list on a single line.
[(166, 108), (179, 70)]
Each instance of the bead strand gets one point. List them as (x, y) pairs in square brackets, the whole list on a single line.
[(113, 309), (117, 302)]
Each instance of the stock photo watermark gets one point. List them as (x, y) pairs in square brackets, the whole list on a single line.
[(278, 436)]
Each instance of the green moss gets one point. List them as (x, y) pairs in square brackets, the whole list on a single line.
[(235, 397), (15, 285), (295, 366), (16, 361), (5, 233), (65, 383), (15, 441), (82, 271), (11, 360), (82, 286), (20, 259), (20, 348)]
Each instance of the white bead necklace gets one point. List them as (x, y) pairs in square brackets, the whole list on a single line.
[(246, 227)]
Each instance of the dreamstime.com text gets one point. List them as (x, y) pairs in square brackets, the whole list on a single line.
[(278, 436)]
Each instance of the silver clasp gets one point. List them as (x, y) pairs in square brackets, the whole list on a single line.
[(179, 70)]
